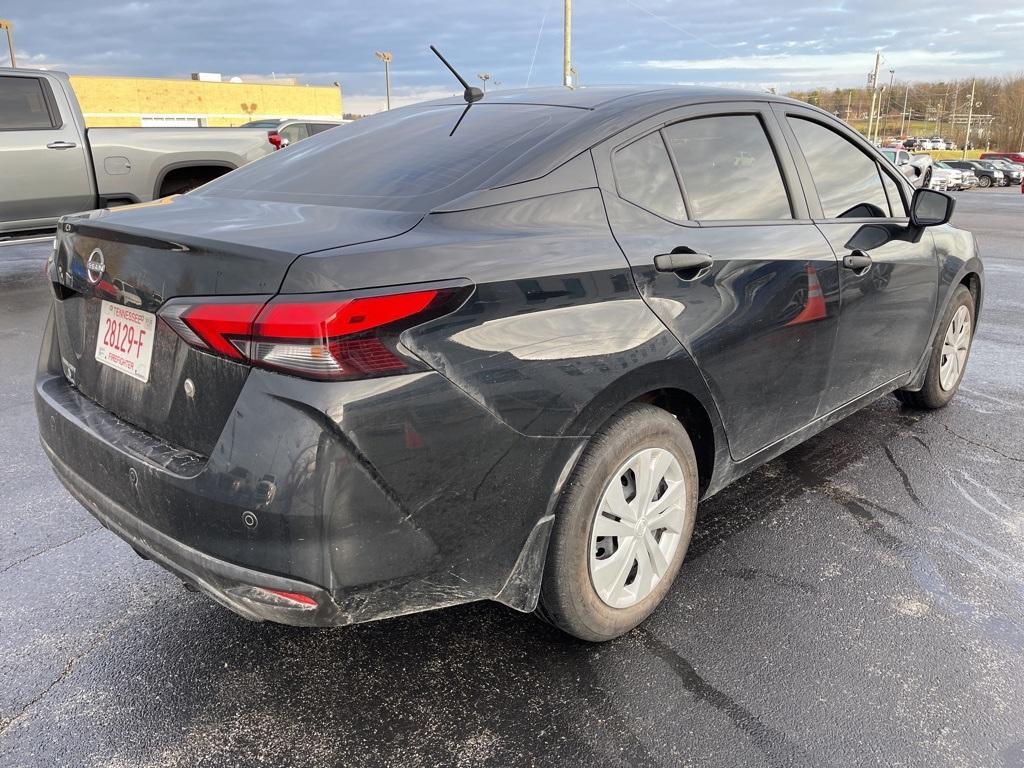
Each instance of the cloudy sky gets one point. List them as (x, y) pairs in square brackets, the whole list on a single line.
[(784, 44)]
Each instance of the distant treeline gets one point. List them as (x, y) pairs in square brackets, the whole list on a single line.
[(936, 108)]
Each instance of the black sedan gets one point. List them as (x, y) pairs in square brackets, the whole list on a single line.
[(494, 350)]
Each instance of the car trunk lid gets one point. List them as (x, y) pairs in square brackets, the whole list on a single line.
[(142, 256)]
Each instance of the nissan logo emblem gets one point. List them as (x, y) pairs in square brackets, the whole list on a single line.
[(95, 266)]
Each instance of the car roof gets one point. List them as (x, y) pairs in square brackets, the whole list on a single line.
[(604, 110), (603, 97)]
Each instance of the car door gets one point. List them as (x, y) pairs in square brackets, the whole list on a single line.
[(705, 203), (889, 287), (44, 170)]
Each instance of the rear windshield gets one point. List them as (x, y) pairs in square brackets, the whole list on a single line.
[(404, 160)]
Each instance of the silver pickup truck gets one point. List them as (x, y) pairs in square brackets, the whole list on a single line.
[(51, 164)]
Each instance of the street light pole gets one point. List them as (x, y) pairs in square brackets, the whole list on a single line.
[(8, 27), (386, 57), (903, 117), (970, 116), (888, 101), (484, 77), (567, 46)]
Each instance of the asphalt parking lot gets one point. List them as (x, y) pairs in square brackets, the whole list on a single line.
[(859, 601)]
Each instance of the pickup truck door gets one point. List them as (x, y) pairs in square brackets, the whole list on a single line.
[(44, 166)]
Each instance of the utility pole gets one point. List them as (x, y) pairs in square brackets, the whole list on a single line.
[(888, 101), (567, 46), (8, 27), (872, 84), (903, 117), (849, 100), (386, 57), (970, 116)]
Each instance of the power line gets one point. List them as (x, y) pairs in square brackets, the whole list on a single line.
[(678, 28), (540, 31)]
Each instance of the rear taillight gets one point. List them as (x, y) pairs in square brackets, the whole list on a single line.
[(316, 336), (274, 138)]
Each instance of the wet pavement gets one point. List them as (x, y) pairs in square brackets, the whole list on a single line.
[(859, 601)]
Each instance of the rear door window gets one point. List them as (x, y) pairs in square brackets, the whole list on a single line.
[(644, 175), (728, 169), (294, 132), (847, 180), (23, 105)]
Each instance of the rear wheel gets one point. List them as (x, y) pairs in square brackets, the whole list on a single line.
[(984, 182), (623, 526), (950, 350)]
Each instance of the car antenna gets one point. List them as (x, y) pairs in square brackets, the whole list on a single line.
[(470, 94)]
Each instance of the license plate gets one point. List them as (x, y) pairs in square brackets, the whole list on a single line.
[(125, 339)]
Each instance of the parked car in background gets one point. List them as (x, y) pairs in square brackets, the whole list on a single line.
[(916, 168), (461, 352), (284, 132), (963, 178), (1014, 173), (945, 179), (910, 142), (988, 176), (1013, 157), (924, 145), (937, 143), (52, 164)]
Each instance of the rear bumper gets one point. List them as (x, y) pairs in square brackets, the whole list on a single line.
[(217, 578), (377, 498)]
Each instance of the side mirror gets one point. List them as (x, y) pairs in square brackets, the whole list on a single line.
[(930, 208)]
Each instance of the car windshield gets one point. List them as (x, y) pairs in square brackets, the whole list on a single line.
[(405, 160)]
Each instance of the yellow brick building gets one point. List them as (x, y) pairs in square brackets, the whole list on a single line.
[(149, 101)]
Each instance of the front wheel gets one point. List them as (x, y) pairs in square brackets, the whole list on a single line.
[(984, 182), (950, 350), (622, 527)]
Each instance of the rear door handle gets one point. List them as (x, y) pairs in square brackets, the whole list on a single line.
[(858, 260), (684, 261), (61, 145)]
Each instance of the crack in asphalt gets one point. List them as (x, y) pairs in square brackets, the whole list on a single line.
[(72, 540), (7, 724), (773, 743), (976, 444), (904, 476)]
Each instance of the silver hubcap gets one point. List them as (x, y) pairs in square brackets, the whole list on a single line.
[(637, 527), (955, 346)]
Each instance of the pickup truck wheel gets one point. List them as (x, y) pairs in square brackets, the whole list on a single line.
[(950, 350), (622, 527)]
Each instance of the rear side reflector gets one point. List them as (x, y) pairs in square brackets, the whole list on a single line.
[(318, 336), (275, 597)]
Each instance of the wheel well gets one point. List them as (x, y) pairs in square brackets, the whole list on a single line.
[(691, 414), (179, 180), (973, 283)]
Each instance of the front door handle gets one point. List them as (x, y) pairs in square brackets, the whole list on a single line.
[(684, 261), (61, 145), (858, 261)]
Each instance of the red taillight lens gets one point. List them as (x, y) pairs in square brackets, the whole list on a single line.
[(274, 138), (334, 336)]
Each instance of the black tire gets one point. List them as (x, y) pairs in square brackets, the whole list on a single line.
[(984, 182), (568, 599), (932, 395)]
